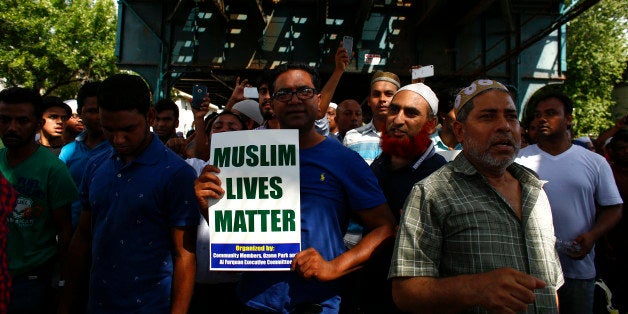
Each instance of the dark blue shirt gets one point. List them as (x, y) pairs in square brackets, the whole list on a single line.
[(134, 207), (334, 181)]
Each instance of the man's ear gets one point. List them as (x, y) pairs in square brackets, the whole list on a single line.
[(569, 119), (431, 125), (458, 128), (150, 116)]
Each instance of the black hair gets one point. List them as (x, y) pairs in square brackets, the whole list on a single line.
[(54, 101), (209, 120), (18, 95), (564, 99), (293, 66), (89, 89), (167, 104), (124, 92)]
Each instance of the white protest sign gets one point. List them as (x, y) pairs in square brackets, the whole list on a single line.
[(256, 225)]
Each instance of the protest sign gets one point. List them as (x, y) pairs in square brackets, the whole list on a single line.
[(256, 225)]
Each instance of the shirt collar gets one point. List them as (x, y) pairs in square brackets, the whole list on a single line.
[(150, 155), (524, 175)]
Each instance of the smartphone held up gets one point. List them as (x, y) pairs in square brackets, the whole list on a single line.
[(198, 93)]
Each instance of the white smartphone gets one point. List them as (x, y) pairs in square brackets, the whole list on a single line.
[(424, 71), (251, 92), (347, 42)]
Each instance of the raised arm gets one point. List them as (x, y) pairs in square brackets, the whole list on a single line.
[(342, 62), (237, 94), (201, 141)]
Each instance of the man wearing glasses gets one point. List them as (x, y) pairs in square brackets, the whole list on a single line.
[(56, 113), (334, 181)]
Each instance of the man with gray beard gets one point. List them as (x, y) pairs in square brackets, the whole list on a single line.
[(476, 235)]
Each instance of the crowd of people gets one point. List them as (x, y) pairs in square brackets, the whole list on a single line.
[(432, 205)]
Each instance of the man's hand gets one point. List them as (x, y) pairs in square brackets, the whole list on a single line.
[(309, 264), (342, 59), (506, 290), (586, 242), (178, 146), (207, 186), (199, 113)]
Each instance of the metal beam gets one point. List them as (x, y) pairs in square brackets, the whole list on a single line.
[(568, 16)]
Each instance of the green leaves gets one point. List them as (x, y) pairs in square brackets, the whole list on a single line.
[(55, 45), (597, 51)]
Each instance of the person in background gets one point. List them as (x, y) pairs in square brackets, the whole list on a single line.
[(88, 144), (612, 250), (476, 235), (8, 197), (40, 227), (55, 115), (348, 117), (73, 127), (365, 139), (445, 141), (585, 201), (166, 120), (331, 117)]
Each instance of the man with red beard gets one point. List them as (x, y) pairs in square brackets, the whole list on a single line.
[(407, 157), (408, 154)]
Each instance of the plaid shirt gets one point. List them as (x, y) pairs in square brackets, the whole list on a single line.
[(455, 223), (365, 141), (7, 202)]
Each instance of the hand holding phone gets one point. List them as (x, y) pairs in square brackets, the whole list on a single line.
[(198, 93), (347, 43), (251, 92), (422, 72)]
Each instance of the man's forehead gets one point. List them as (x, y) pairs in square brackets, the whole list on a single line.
[(167, 112), (384, 86), (410, 99), (298, 78)]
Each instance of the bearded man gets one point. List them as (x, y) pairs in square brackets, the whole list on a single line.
[(476, 236), (408, 154), (407, 157)]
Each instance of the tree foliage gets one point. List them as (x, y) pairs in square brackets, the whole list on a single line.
[(597, 51), (55, 45)]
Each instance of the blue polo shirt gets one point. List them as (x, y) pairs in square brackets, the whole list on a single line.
[(334, 181), (75, 156), (134, 207)]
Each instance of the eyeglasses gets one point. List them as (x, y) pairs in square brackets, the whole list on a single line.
[(303, 93)]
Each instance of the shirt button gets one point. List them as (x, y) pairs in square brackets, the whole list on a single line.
[(119, 175)]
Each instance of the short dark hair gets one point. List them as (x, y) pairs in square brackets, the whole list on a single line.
[(167, 104), (293, 66), (210, 119), (564, 99), (18, 95), (54, 101), (124, 92), (89, 89)]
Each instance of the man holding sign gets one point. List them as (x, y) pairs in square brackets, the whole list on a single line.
[(334, 182)]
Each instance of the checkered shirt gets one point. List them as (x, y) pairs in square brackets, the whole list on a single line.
[(455, 223)]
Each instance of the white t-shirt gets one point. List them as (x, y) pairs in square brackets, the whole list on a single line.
[(576, 180)]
